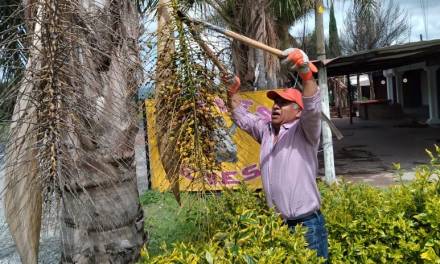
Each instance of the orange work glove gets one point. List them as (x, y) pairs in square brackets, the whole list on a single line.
[(299, 61), (232, 82)]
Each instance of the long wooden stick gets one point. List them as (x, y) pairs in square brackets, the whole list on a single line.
[(332, 126), (248, 41)]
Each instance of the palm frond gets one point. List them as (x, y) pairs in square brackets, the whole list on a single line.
[(366, 8), (289, 11), (187, 119)]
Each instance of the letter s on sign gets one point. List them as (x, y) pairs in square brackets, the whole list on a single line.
[(251, 172)]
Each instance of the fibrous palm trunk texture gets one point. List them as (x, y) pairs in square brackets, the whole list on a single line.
[(71, 144), (255, 67)]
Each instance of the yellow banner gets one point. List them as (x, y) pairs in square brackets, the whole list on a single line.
[(240, 159)]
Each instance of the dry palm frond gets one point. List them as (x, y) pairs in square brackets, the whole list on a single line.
[(70, 146), (189, 124)]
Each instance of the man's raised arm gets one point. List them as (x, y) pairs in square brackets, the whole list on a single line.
[(247, 121), (311, 114)]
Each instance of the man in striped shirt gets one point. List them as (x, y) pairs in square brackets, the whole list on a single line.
[(289, 146)]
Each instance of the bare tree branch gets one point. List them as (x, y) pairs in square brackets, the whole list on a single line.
[(374, 28)]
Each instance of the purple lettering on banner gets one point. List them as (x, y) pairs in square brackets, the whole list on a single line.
[(228, 179), (186, 172), (211, 178), (264, 113), (251, 172)]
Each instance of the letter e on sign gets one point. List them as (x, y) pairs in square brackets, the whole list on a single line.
[(227, 177)]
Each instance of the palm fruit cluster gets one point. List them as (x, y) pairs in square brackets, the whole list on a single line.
[(187, 118)]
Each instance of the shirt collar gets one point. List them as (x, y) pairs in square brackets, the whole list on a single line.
[(285, 126), (289, 125)]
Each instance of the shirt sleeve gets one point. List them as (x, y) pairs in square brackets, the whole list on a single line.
[(249, 122), (310, 119)]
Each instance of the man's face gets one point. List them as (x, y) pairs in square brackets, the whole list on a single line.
[(284, 111)]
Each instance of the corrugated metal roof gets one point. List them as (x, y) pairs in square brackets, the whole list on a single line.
[(385, 58)]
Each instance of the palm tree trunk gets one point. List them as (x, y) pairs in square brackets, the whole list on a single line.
[(23, 196), (164, 72), (102, 220), (257, 23), (73, 133)]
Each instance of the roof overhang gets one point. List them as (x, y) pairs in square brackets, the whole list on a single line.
[(384, 58)]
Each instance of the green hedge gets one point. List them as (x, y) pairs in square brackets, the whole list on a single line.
[(399, 224), (396, 225)]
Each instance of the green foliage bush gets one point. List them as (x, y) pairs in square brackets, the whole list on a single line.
[(239, 228), (399, 224)]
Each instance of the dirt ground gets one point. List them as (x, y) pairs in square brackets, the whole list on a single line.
[(369, 148)]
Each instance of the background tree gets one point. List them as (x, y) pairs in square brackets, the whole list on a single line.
[(369, 26), (374, 26), (12, 41), (334, 45), (13, 56)]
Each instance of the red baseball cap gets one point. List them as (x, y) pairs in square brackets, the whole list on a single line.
[(289, 94)]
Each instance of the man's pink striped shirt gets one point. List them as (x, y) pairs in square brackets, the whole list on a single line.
[(288, 167)]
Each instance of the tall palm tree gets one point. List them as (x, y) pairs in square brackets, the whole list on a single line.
[(71, 140)]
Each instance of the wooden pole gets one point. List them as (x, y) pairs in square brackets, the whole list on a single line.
[(350, 98), (250, 42), (327, 141)]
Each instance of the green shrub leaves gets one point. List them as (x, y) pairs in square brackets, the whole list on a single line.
[(400, 224)]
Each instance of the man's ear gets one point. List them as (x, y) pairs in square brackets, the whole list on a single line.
[(298, 115)]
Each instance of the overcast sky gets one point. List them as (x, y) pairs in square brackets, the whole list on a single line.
[(412, 7)]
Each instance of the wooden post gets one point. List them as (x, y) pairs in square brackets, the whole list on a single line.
[(350, 98), (359, 87), (327, 141), (147, 145)]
